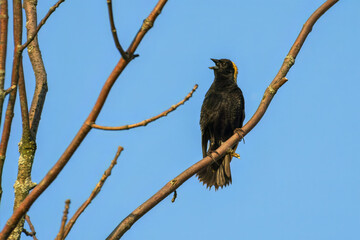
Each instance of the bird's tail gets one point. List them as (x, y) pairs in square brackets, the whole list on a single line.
[(217, 174)]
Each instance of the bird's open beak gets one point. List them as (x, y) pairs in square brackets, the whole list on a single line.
[(215, 61)]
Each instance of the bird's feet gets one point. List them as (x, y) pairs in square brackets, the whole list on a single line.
[(233, 153), (209, 153), (240, 133)]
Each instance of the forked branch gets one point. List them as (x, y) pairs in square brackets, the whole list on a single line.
[(124, 54), (93, 194), (32, 228), (270, 92), (85, 128), (41, 23), (15, 73), (147, 121)]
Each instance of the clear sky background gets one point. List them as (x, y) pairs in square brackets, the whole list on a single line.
[(298, 176)]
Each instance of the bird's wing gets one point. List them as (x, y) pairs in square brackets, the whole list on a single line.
[(209, 111)]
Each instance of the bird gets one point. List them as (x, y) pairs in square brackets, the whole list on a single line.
[(222, 111)]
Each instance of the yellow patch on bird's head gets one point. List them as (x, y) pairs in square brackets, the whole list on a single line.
[(235, 71)]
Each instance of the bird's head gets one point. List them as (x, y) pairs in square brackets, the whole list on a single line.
[(224, 68)]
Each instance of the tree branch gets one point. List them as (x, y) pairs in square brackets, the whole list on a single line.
[(33, 232), (278, 81), (114, 33), (17, 18), (16, 68), (15, 75), (42, 22), (23, 103), (37, 63), (93, 194), (147, 121), (60, 235), (27, 147), (3, 48), (85, 128), (9, 90)]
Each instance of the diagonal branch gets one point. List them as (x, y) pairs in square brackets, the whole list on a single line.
[(32, 228), (114, 33), (93, 194), (60, 235), (270, 92), (42, 22), (85, 128), (9, 90), (147, 121)]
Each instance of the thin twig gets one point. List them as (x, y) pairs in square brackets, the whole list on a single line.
[(27, 233), (32, 228), (60, 235), (147, 121), (270, 92), (41, 23), (85, 128), (93, 194), (114, 33), (10, 89)]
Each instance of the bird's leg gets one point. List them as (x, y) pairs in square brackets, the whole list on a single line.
[(209, 154), (240, 133)]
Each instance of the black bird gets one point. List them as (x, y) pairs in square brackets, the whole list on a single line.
[(221, 113)]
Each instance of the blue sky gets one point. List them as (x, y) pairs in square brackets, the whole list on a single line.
[(298, 176)]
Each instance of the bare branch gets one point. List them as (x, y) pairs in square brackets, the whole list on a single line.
[(85, 128), (27, 233), (27, 147), (3, 48), (93, 194), (15, 75), (37, 63), (42, 22), (147, 121), (60, 235), (10, 89), (114, 33), (16, 69), (270, 92), (23, 103), (33, 232), (17, 33)]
